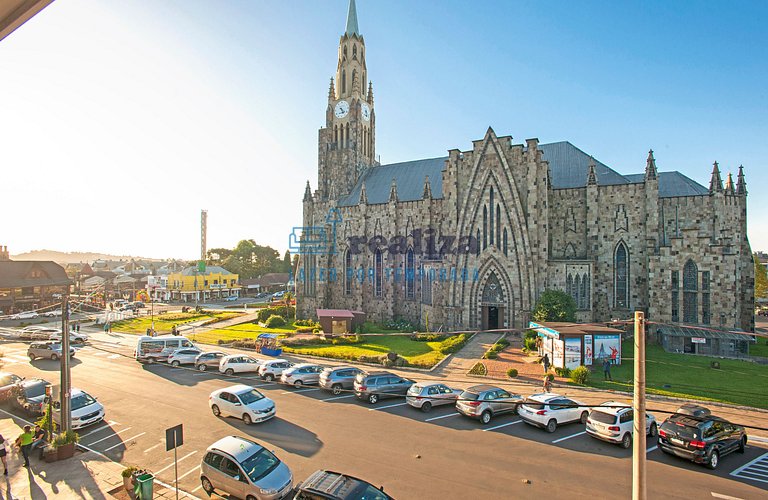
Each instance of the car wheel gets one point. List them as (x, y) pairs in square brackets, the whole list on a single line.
[(54, 357), (269, 377), (202, 368), (743, 445), (151, 361), (175, 364), (654, 431), (714, 460), (426, 407), (247, 420), (229, 371), (336, 389), (250, 497), (584, 417), (373, 398), (215, 410), (551, 425), (32, 357), (485, 417), (207, 486), (298, 384), (626, 441)]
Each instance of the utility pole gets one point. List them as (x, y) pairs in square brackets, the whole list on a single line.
[(66, 414), (638, 409)]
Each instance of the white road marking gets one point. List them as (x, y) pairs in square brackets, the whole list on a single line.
[(340, 397), (388, 406), (114, 356), (110, 436), (20, 358), (198, 488), (95, 430), (724, 497), (202, 374), (442, 416), (188, 473), (171, 465), (569, 437), (502, 425), (153, 447), (100, 353), (10, 361), (651, 449), (301, 390), (754, 468), (124, 442)]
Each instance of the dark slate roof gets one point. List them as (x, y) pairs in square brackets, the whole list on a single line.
[(672, 184), (19, 273), (568, 166), (409, 176)]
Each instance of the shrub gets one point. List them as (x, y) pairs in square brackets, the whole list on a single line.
[(512, 373), (503, 344), (550, 377), (490, 355), (563, 372), (530, 343), (531, 334), (274, 321), (580, 375), (453, 343), (429, 337), (478, 369), (305, 329), (64, 438), (306, 322), (221, 341), (369, 359), (316, 330), (128, 471)]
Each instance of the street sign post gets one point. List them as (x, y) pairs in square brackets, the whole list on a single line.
[(174, 437)]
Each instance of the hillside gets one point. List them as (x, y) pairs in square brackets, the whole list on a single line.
[(75, 257)]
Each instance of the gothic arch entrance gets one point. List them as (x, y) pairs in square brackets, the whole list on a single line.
[(492, 303)]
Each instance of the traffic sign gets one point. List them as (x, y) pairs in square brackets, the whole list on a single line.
[(174, 437)]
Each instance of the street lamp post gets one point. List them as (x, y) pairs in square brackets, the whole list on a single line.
[(152, 302)]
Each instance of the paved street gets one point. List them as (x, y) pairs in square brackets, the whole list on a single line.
[(413, 454)]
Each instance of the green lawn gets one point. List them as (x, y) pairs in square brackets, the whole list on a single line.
[(234, 332), (760, 348), (164, 322), (685, 375), (417, 353)]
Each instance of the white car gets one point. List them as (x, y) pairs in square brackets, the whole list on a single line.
[(85, 410), (243, 402), (184, 356), (52, 313), (74, 337), (426, 395), (273, 368), (25, 315), (549, 410), (238, 363), (612, 422)]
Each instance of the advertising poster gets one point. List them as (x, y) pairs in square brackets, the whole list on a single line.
[(558, 355), (587, 350), (572, 352), (608, 346)]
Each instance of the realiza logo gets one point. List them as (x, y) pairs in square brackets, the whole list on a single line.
[(314, 240)]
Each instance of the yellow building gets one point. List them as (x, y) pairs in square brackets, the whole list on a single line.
[(193, 285)]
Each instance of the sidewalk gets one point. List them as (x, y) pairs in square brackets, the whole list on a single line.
[(461, 362)]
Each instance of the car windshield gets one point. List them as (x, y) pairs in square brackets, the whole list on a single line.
[(371, 493), (81, 401), (602, 417), (260, 464), (250, 397), (35, 390), (468, 396), (414, 389), (534, 405)]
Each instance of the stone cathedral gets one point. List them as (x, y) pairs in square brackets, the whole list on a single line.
[(471, 239)]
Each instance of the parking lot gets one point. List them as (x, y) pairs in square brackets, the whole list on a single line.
[(413, 454)]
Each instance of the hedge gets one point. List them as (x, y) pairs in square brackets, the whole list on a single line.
[(274, 321), (580, 375), (478, 369)]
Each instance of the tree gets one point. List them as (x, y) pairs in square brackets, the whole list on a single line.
[(761, 280), (287, 262), (555, 305), (248, 259)]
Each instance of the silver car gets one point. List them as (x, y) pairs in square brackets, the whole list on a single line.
[(244, 469), (485, 401), (338, 378), (301, 374), (50, 350), (272, 369), (208, 360), (184, 356), (427, 395)]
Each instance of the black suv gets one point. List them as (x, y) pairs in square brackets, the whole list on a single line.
[(695, 434), (373, 386), (325, 484), (30, 395)]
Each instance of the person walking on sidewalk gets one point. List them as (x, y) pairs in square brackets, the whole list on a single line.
[(25, 443), (607, 369), (545, 362), (3, 453), (547, 383)]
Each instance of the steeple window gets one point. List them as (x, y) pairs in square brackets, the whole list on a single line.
[(344, 78), (354, 51), (485, 227), (621, 276), (492, 234), (690, 292)]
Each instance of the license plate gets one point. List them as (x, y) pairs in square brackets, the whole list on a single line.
[(676, 441)]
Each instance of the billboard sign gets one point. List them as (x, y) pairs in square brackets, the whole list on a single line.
[(608, 346), (698, 340), (572, 352), (587, 350), (558, 354)]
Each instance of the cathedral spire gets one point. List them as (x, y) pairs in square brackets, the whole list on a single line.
[(331, 91), (370, 93), (591, 174), (427, 189), (741, 183), (650, 167), (715, 182), (393, 190), (308, 193), (363, 195), (352, 28), (729, 185)]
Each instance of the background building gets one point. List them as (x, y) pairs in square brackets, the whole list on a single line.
[(192, 285)]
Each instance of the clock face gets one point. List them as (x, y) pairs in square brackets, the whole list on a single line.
[(341, 109), (366, 110)]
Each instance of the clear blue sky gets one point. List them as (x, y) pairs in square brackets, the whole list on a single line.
[(115, 109)]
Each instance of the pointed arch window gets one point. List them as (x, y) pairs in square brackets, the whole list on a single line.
[(378, 272), (485, 227), (577, 291), (346, 136), (675, 296), (348, 273), (621, 276), (705, 312), (506, 243), (354, 74), (492, 203), (478, 242), (584, 294), (344, 77), (410, 274), (690, 292), (498, 225), (569, 285), (354, 51)]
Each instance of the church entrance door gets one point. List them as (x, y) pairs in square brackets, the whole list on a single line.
[(493, 317)]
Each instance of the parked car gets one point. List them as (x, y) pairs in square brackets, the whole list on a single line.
[(238, 363), (483, 402), (30, 395), (25, 315), (52, 313), (325, 484), (184, 356), (549, 410), (301, 374), (75, 338), (139, 305), (8, 386), (425, 396), (85, 410), (243, 402), (338, 378), (694, 434), (50, 350), (273, 368), (612, 422), (208, 360), (231, 298), (243, 468), (372, 386)]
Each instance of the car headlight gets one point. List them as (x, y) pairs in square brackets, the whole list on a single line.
[(267, 492)]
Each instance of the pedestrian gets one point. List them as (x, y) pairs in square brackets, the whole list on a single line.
[(545, 362), (25, 443), (39, 438), (78, 328), (547, 383), (3, 453), (607, 369)]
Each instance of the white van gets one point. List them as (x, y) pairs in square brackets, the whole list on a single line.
[(154, 349)]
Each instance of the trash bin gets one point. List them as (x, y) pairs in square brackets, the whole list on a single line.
[(143, 486)]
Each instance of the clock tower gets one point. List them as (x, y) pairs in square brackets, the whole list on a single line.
[(347, 142)]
